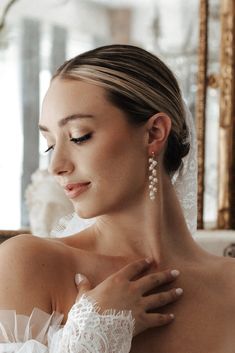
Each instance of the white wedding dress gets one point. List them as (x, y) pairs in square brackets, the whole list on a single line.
[(86, 331)]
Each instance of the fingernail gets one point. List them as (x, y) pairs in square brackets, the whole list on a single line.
[(172, 316), (175, 273), (149, 260), (179, 291), (79, 278)]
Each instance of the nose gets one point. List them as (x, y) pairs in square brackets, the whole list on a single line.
[(60, 162)]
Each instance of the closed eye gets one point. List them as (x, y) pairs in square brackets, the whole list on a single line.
[(49, 148), (81, 139), (77, 140)]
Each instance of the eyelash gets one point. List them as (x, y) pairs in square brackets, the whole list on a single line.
[(77, 140)]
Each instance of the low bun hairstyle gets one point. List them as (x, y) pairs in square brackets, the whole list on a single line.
[(138, 83)]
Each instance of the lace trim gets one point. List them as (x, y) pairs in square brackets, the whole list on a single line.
[(88, 331)]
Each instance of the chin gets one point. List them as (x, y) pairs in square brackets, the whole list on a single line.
[(84, 211), (83, 214), (97, 205), (93, 208)]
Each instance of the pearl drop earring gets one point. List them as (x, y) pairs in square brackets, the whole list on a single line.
[(153, 177)]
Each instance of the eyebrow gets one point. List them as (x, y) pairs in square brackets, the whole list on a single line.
[(66, 120)]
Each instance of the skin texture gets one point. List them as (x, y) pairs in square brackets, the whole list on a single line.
[(129, 226), (117, 145)]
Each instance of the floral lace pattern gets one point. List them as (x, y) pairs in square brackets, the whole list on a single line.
[(88, 331)]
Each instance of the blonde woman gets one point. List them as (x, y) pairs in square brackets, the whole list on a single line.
[(123, 148)]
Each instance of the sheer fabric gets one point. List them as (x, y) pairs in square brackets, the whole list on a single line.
[(185, 178), (86, 330)]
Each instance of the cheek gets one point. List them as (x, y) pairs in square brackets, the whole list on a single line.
[(118, 174), (119, 166)]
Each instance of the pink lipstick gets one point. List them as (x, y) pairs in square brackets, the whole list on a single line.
[(74, 190)]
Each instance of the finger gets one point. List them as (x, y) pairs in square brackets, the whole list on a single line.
[(155, 301), (157, 320), (135, 268), (83, 284), (153, 280)]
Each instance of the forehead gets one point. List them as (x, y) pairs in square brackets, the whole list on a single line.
[(67, 97)]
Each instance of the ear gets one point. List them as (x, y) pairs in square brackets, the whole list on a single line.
[(158, 127)]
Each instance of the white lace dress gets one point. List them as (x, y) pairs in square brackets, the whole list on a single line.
[(86, 331)]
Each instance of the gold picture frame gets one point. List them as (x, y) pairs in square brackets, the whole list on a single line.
[(225, 82)]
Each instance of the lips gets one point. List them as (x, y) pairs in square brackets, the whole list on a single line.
[(74, 190)]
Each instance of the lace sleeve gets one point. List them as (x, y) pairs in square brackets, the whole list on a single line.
[(87, 331)]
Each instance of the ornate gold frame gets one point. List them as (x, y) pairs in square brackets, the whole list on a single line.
[(226, 83), (201, 104), (226, 212)]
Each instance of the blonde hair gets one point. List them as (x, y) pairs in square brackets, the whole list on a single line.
[(140, 84)]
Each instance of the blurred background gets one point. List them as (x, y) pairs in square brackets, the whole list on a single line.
[(37, 36)]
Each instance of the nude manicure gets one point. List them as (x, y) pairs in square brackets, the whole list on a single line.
[(179, 291), (79, 278), (175, 273)]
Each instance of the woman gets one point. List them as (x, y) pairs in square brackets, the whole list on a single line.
[(117, 127), (102, 319)]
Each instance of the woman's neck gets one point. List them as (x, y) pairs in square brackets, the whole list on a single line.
[(150, 229)]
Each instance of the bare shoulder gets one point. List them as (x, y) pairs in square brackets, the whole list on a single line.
[(227, 284), (226, 266), (25, 250), (220, 268), (227, 271), (19, 251), (30, 270), (225, 280)]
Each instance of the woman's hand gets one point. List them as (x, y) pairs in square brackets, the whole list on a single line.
[(122, 291)]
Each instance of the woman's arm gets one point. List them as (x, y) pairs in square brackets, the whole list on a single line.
[(24, 270), (128, 289), (105, 318)]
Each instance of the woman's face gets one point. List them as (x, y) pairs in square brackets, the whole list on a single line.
[(111, 156)]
